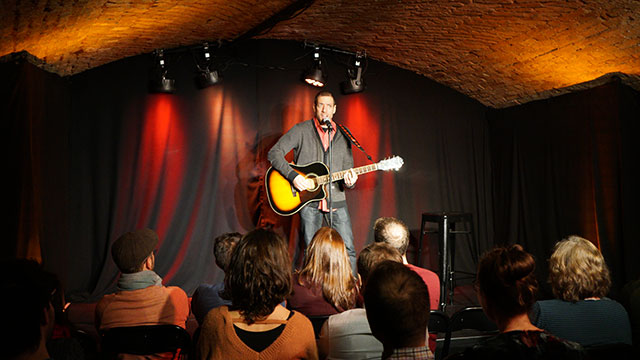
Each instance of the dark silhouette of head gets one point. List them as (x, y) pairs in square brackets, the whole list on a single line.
[(397, 305), (27, 292), (223, 246), (372, 255)]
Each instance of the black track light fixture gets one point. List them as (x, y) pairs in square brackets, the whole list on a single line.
[(314, 75), (207, 74), (354, 83), (159, 83)]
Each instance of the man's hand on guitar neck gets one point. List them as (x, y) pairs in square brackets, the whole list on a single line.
[(350, 178), (301, 183)]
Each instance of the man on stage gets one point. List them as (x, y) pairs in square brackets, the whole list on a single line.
[(310, 142)]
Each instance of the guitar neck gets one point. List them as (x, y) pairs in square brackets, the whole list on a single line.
[(339, 175)]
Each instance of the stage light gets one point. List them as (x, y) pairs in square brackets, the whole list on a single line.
[(354, 83), (207, 75), (314, 75), (159, 83), (207, 78)]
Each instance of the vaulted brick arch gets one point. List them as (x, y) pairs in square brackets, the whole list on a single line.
[(500, 53)]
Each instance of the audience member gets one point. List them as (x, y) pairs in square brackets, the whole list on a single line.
[(395, 233), (141, 299), (580, 281), (347, 335), (256, 325), (67, 342), (397, 306), (507, 288), (27, 290), (207, 297), (325, 285)]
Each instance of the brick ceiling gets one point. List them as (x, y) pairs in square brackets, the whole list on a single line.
[(500, 53)]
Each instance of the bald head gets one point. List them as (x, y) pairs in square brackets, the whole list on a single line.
[(393, 232)]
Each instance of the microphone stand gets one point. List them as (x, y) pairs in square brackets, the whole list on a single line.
[(328, 123)]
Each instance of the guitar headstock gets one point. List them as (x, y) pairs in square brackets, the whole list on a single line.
[(393, 163)]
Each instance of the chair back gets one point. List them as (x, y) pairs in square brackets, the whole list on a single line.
[(472, 318), (468, 318), (146, 340), (439, 324), (610, 351)]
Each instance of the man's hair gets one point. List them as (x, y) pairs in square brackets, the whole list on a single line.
[(397, 305), (259, 274), (327, 265), (26, 280), (323, 93), (577, 270), (372, 255), (506, 279), (393, 232), (223, 247)]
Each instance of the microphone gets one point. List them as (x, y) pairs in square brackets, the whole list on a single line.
[(326, 122)]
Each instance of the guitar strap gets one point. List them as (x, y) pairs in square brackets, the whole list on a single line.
[(345, 131)]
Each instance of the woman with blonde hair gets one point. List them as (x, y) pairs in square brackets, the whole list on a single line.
[(581, 312), (325, 284)]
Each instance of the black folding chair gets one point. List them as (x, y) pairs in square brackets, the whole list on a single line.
[(145, 340), (471, 318), (610, 351), (439, 324)]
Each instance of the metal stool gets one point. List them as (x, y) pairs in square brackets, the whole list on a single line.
[(446, 247)]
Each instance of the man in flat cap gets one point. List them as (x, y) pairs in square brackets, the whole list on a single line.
[(141, 299)]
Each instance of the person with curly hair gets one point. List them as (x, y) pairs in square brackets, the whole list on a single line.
[(507, 288), (325, 285), (256, 326), (581, 312)]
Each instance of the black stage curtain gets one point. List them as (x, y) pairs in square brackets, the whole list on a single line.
[(566, 166), (35, 107), (190, 165)]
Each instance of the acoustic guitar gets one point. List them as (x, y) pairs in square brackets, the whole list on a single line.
[(286, 200)]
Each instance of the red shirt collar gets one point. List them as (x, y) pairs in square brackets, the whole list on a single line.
[(320, 129)]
